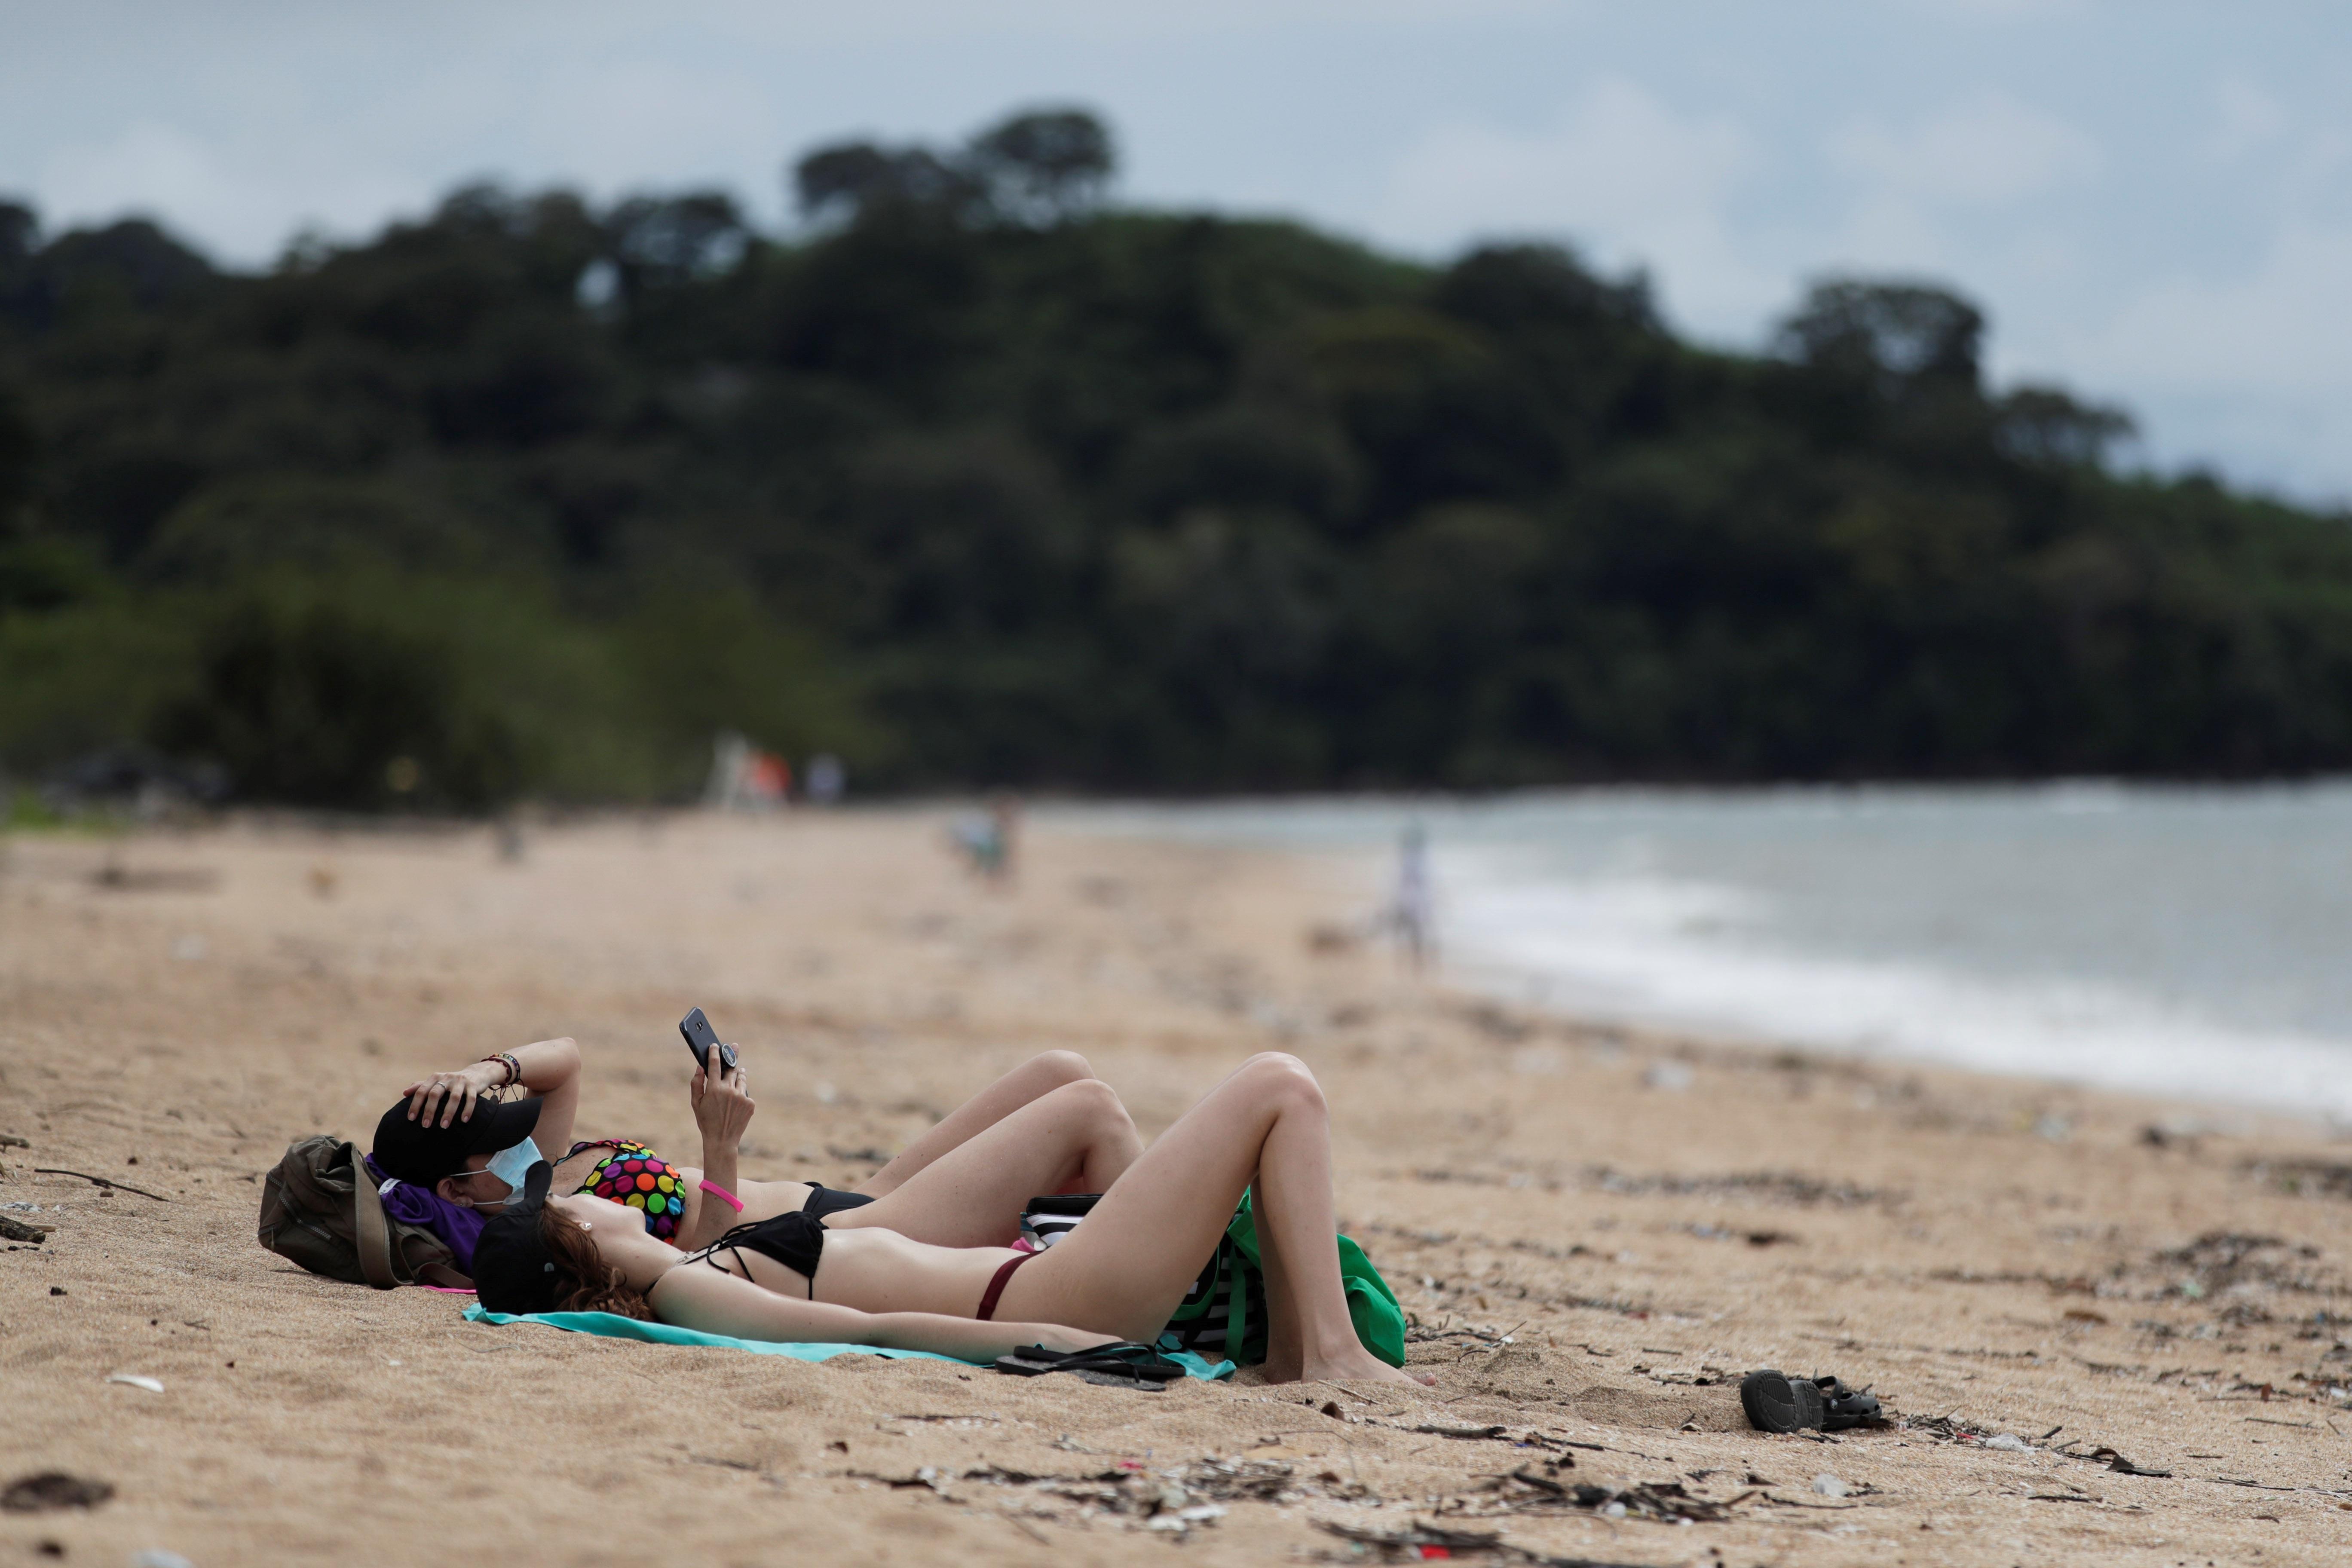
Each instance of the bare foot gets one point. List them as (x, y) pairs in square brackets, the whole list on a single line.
[(1360, 1366)]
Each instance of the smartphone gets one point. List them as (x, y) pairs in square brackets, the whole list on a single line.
[(703, 1039)]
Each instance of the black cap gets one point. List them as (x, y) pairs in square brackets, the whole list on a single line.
[(416, 1153), (512, 1272)]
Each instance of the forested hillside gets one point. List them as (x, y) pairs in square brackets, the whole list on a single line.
[(982, 480)]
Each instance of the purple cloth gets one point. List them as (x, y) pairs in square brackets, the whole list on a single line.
[(458, 1225)]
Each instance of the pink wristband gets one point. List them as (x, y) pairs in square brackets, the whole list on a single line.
[(723, 1195)]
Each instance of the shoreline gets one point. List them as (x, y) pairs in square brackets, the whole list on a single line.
[(1644, 1214), (1691, 912)]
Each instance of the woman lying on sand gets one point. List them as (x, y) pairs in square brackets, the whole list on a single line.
[(1116, 1277), (463, 1155)]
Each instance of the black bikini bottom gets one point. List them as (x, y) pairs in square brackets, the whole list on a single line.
[(823, 1200), (797, 1240)]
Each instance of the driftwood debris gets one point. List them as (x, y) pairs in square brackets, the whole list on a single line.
[(101, 1181)]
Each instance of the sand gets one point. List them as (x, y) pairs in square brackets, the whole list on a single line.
[(1596, 1231)]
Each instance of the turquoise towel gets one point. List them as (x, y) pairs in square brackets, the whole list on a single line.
[(611, 1325)]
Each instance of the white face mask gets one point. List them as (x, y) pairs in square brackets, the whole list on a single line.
[(510, 1166)]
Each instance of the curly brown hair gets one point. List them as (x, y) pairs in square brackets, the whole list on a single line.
[(584, 1282)]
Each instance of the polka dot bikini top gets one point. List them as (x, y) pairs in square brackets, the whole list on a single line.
[(635, 1175)]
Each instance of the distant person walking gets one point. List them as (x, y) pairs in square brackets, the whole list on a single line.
[(990, 844), (828, 781), (1412, 914), (744, 778)]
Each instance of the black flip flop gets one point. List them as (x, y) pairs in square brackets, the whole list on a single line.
[(1125, 1362), (1775, 1402)]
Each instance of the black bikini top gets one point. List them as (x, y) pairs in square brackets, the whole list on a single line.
[(797, 1240)]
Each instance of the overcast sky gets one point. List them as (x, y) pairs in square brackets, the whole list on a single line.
[(2152, 198)]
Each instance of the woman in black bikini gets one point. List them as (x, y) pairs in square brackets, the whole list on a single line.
[(450, 1138), (1115, 1277)]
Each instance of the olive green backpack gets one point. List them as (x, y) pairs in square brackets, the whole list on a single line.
[(314, 1212)]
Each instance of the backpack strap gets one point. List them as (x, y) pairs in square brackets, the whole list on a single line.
[(369, 1231)]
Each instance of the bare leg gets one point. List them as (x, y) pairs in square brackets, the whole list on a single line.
[(1284, 1360), (1128, 1265), (971, 1195), (1040, 1075), (1081, 1143), (1298, 1243)]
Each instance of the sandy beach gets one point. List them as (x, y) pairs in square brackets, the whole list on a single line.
[(1595, 1232)]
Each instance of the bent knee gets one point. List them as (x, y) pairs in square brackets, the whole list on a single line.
[(1276, 1061), (1278, 1073), (1061, 1067), (1091, 1098)]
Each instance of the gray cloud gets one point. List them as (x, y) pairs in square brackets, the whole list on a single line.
[(2152, 196)]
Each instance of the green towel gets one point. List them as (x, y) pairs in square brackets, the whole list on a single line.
[(1371, 1305), (614, 1326)]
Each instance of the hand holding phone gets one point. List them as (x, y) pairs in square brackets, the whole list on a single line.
[(703, 1039), (722, 1094)]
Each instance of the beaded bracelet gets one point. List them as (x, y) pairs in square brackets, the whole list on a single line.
[(507, 1060), (723, 1195)]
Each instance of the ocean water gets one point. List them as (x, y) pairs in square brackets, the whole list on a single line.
[(2195, 944)]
